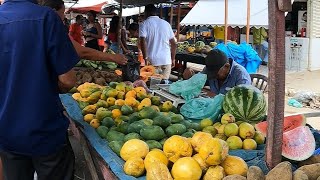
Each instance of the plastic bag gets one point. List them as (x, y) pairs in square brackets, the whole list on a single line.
[(294, 103), (131, 71), (141, 83), (201, 108), (190, 88), (305, 96)]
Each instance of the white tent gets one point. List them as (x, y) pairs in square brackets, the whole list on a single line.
[(84, 3), (211, 12)]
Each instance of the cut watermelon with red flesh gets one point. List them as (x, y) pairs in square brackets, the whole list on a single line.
[(290, 122), (298, 144)]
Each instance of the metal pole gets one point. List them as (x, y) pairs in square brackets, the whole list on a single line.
[(120, 26), (276, 84), (248, 21), (178, 21), (225, 21)]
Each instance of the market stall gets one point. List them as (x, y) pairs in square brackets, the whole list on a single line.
[(120, 125)]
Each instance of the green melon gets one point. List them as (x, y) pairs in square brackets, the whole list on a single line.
[(246, 103)]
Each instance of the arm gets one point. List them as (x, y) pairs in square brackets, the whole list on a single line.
[(94, 55), (67, 81), (124, 40), (71, 30), (173, 48), (142, 41)]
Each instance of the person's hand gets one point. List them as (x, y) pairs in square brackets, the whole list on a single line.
[(173, 63), (120, 59), (187, 73)]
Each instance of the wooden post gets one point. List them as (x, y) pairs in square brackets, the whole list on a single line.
[(276, 84), (225, 21), (248, 21), (161, 11), (171, 15), (120, 26), (178, 21)]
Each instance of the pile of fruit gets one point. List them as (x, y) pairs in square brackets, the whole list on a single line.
[(198, 47), (96, 76), (120, 112), (199, 157), (238, 135), (98, 65)]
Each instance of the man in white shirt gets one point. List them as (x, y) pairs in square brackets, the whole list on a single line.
[(158, 43)]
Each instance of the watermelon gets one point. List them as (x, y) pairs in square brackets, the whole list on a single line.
[(298, 144), (289, 123), (246, 103)]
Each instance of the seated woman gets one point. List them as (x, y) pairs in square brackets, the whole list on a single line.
[(222, 73)]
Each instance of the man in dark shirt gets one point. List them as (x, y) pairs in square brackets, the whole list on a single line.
[(36, 58)]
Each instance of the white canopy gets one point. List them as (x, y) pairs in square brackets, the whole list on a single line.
[(84, 3), (211, 12)]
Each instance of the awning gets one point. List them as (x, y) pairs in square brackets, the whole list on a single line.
[(211, 13), (86, 5)]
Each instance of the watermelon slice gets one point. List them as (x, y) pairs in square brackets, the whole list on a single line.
[(290, 122), (298, 144)]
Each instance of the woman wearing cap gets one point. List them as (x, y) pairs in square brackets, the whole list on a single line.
[(222, 73)]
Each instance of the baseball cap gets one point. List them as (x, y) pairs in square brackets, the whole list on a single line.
[(214, 61)]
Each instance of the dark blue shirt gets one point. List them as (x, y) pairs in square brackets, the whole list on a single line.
[(35, 50), (237, 75)]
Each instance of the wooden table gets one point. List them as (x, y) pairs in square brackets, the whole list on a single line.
[(182, 60)]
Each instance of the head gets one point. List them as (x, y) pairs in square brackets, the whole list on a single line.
[(150, 10), (91, 16), (217, 65), (57, 5), (79, 19), (134, 30)]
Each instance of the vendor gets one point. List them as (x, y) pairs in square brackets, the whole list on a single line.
[(223, 73)]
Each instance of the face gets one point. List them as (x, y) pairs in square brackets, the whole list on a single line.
[(90, 17), (79, 21), (224, 72), (61, 12), (134, 34)]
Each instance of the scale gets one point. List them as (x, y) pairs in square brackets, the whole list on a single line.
[(165, 95)]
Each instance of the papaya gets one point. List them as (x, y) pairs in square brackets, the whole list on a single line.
[(152, 133), (146, 102), (95, 123), (156, 100), (102, 113), (89, 117), (119, 102), (102, 103), (91, 109), (130, 101), (123, 128), (73, 90), (76, 96), (102, 131), (147, 122), (94, 97), (158, 171), (121, 87), (113, 84), (114, 107), (163, 141), (177, 118), (121, 95), (153, 144), (115, 136), (162, 121), (82, 104), (187, 134), (126, 110), (166, 106), (195, 126), (186, 123), (111, 101), (112, 93), (149, 69), (118, 72), (175, 129), (108, 122), (156, 108), (116, 146), (147, 113), (132, 136), (133, 117), (131, 94), (116, 113), (136, 127)]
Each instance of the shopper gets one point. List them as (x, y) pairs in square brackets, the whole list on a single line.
[(93, 32), (259, 36), (222, 73), (84, 52), (75, 30), (113, 36), (35, 66), (157, 41)]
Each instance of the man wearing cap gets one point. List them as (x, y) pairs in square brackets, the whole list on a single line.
[(223, 73)]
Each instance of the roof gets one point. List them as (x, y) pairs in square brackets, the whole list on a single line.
[(211, 13)]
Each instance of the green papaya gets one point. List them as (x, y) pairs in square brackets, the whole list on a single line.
[(132, 136), (136, 127), (108, 122), (177, 118), (175, 129), (134, 117), (116, 146), (115, 136), (102, 131), (154, 144), (126, 110), (162, 121), (152, 133), (147, 113)]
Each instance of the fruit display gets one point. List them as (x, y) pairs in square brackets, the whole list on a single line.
[(246, 103), (98, 65), (198, 157), (96, 76), (238, 135), (198, 47)]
